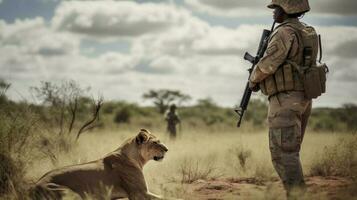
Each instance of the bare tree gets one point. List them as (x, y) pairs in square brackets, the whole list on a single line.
[(163, 98), (65, 102), (61, 101)]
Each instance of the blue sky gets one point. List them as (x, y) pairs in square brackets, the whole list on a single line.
[(10, 10), (124, 48)]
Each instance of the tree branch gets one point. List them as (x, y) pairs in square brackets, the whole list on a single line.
[(73, 109), (86, 126)]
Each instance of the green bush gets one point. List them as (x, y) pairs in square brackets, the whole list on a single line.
[(257, 112), (348, 114), (123, 115)]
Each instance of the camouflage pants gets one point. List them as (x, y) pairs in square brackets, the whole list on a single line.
[(287, 117)]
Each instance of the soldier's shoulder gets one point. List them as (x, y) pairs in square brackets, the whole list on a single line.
[(284, 32), (286, 29)]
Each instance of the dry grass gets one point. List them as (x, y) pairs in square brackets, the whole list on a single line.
[(194, 156), (193, 169), (339, 159)]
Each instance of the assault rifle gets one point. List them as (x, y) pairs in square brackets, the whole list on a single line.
[(254, 60)]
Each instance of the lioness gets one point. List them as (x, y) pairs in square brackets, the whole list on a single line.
[(121, 171)]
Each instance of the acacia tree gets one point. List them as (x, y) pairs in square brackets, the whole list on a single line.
[(163, 98)]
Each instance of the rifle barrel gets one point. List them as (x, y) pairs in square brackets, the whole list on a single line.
[(254, 60)]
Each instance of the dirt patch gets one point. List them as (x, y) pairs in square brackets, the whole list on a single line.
[(333, 188)]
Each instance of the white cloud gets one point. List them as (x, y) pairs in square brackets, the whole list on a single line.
[(116, 63), (188, 54), (107, 19), (339, 40), (31, 36), (31, 52), (199, 38), (243, 8), (215, 53), (228, 8), (166, 64), (341, 7)]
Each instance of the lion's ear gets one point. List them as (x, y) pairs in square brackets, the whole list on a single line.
[(142, 137), (144, 130)]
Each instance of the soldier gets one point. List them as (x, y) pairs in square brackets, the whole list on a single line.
[(172, 120), (291, 45)]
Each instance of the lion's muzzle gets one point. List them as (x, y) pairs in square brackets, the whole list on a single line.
[(163, 150)]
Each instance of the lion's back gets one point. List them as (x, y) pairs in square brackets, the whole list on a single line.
[(79, 177)]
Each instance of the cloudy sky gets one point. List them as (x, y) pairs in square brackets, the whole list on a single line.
[(124, 48)]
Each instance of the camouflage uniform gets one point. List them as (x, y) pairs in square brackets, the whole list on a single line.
[(289, 110), (172, 120)]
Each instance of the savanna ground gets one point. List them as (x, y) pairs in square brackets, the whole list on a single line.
[(210, 159), (232, 165)]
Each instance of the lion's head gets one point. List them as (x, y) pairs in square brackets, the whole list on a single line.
[(150, 147)]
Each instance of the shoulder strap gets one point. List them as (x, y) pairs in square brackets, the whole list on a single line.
[(300, 41), (320, 48)]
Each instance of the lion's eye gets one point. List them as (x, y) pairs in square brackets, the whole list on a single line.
[(155, 142)]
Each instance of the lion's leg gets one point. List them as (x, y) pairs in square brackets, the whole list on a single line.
[(49, 191), (138, 196), (154, 196), (144, 196)]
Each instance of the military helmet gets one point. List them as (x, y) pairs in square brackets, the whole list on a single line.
[(291, 6)]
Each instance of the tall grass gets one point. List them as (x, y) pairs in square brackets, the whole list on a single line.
[(339, 159), (203, 156), (193, 169), (17, 149)]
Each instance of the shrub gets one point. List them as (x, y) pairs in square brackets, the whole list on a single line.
[(123, 115), (242, 155), (257, 112), (337, 160), (109, 107), (348, 114), (193, 170)]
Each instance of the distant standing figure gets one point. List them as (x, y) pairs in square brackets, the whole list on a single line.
[(172, 120)]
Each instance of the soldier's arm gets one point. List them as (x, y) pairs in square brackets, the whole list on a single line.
[(275, 55)]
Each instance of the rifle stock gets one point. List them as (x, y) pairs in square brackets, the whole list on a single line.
[(253, 60)]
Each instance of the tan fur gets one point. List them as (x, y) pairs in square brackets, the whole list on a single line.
[(119, 171)]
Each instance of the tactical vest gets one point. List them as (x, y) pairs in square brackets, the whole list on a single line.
[(293, 75)]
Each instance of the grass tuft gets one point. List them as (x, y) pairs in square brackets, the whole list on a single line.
[(339, 159), (192, 170)]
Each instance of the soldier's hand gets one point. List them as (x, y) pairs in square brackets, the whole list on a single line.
[(254, 86)]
